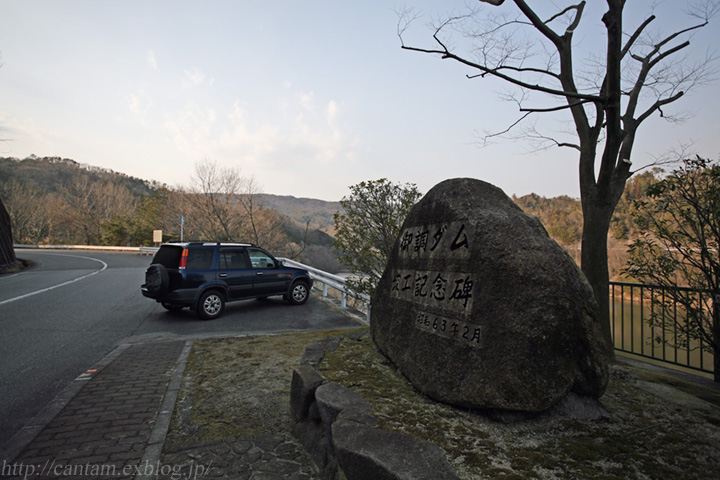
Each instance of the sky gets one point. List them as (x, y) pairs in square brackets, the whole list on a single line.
[(307, 98)]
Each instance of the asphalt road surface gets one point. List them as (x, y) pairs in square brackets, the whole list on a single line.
[(70, 309)]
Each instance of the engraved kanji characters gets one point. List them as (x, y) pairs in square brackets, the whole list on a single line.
[(401, 282), (463, 290), (439, 283), (451, 237), (438, 236), (420, 283), (421, 238), (457, 243), (406, 241)]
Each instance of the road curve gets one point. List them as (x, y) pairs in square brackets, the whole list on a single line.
[(59, 316), (70, 309)]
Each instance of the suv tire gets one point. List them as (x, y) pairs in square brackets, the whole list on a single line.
[(157, 278), (299, 293), (210, 305)]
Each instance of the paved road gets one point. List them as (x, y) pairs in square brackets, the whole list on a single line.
[(70, 309)]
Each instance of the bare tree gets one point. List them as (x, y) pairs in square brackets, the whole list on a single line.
[(87, 205), (223, 206), (263, 224), (636, 76), (26, 204), (213, 196)]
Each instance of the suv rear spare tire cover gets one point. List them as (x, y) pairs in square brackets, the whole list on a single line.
[(157, 278)]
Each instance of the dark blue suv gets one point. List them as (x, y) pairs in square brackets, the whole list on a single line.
[(204, 276)]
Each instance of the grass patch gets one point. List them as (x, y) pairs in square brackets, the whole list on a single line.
[(237, 387)]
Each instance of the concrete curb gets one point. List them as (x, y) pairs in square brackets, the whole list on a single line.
[(153, 451)]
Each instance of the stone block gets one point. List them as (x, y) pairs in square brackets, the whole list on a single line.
[(305, 380), (364, 452), (332, 398)]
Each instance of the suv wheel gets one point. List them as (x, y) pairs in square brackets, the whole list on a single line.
[(157, 279), (210, 305), (299, 293)]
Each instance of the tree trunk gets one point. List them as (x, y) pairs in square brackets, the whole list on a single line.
[(594, 261), (7, 252), (716, 336)]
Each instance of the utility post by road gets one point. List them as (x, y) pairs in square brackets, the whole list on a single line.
[(716, 334), (182, 225)]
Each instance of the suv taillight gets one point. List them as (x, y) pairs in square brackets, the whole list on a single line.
[(183, 259)]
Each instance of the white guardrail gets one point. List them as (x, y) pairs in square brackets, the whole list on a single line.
[(325, 278), (330, 280), (140, 250)]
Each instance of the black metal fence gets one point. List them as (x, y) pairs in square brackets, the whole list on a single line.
[(643, 324)]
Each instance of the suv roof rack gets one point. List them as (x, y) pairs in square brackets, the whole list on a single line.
[(226, 244), (208, 244)]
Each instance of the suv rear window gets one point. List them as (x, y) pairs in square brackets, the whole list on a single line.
[(168, 256), (233, 259), (199, 258)]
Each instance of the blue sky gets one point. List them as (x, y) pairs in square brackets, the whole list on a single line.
[(307, 97)]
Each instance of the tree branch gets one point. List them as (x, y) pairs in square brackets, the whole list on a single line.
[(445, 54), (636, 35), (555, 109), (658, 105)]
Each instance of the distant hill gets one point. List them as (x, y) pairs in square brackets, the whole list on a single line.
[(318, 212), (58, 200), (49, 174)]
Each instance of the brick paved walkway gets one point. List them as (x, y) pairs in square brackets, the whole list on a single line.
[(114, 426)]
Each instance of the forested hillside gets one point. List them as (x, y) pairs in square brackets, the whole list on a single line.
[(53, 200), (59, 201), (562, 218), (50, 174), (318, 212)]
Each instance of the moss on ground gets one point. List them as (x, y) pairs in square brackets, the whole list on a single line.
[(645, 437), (236, 387), (239, 387)]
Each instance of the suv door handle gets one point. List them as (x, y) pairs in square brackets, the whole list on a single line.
[(258, 273), (222, 275)]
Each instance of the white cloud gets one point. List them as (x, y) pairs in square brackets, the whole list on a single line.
[(139, 104), (196, 78), (22, 136), (332, 111), (296, 133), (151, 60), (192, 129), (307, 101)]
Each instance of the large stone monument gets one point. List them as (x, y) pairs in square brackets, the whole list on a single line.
[(478, 307)]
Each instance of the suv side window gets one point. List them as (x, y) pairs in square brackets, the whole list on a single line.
[(199, 259), (260, 259), (233, 259)]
